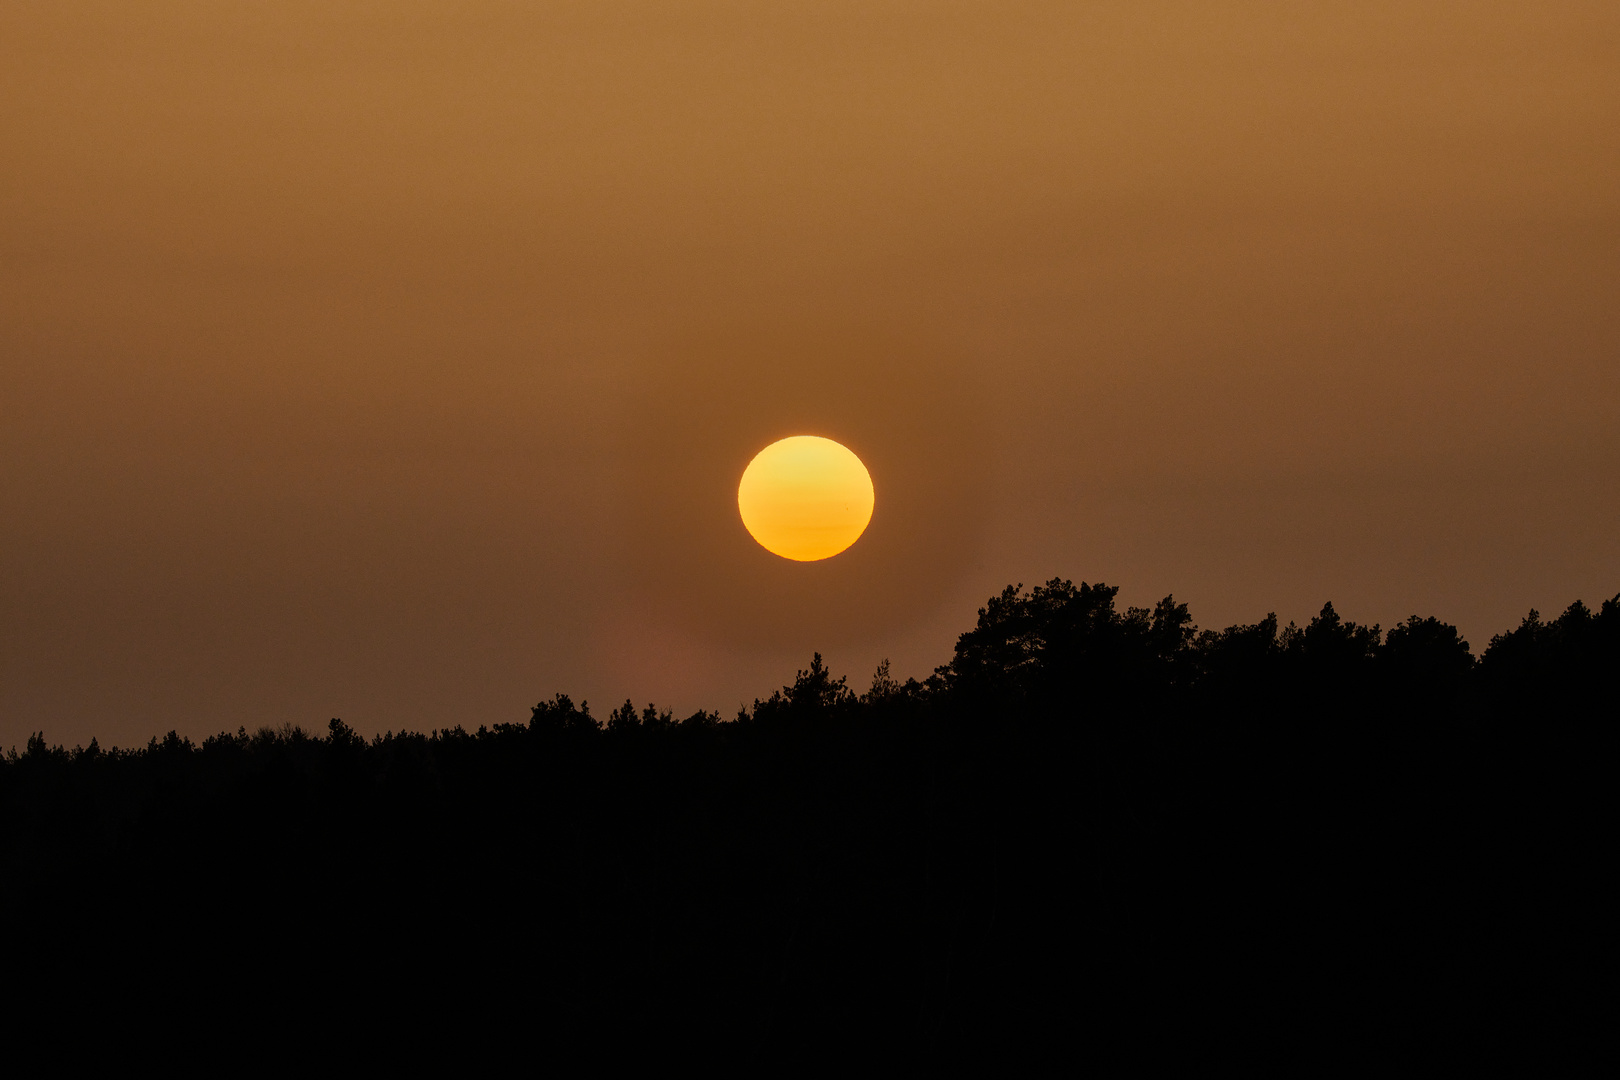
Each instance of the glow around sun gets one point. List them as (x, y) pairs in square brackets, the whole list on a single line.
[(805, 498)]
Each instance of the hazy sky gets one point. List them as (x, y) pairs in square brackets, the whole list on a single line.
[(398, 361)]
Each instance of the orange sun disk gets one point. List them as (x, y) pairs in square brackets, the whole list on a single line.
[(805, 498)]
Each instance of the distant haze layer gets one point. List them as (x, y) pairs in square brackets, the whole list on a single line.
[(399, 361)]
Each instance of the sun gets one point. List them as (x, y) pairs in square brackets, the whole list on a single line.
[(805, 498)]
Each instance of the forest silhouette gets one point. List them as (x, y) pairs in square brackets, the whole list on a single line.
[(1088, 822)]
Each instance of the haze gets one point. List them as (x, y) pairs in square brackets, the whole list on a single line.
[(398, 361)]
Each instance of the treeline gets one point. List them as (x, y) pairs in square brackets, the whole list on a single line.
[(1086, 819)]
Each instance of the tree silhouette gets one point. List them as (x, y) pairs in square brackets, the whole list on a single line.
[(1085, 818)]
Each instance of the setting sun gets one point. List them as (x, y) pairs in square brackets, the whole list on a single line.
[(805, 498)]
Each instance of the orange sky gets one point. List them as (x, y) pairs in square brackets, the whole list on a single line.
[(397, 361)]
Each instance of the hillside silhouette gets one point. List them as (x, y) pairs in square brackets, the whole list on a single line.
[(1101, 833)]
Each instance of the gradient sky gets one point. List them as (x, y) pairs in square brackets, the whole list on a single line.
[(398, 361)]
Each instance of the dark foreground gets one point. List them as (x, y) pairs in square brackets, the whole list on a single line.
[(1095, 834)]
